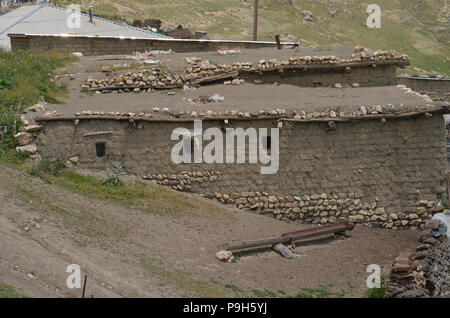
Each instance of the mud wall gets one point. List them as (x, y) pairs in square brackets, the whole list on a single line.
[(366, 171), (437, 89), (90, 45), (364, 76)]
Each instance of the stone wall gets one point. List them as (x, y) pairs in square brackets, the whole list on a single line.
[(111, 45), (367, 171), (426, 272), (437, 89)]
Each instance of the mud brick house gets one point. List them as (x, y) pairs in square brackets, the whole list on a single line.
[(353, 145)]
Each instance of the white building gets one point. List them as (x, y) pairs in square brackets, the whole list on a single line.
[(49, 19)]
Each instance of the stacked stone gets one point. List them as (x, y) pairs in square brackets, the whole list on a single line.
[(234, 113), (326, 208), (137, 82), (207, 69), (331, 59), (182, 181), (321, 208), (26, 136), (426, 273)]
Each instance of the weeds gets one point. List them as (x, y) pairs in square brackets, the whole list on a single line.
[(7, 291), (48, 166), (258, 293), (25, 78), (113, 176), (318, 292), (233, 287), (377, 292), (28, 76)]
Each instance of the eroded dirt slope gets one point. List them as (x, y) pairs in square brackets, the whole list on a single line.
[(163, 252)]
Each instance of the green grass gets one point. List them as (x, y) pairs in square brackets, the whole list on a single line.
[(26, 76), (233, 287), (12, 157), (146, 197), (377, 292), (183, 280), (7, 291), (25, 79), (318, 292), (259, 293)]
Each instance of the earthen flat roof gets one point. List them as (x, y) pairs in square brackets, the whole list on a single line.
[(255, 98), (247, 98)]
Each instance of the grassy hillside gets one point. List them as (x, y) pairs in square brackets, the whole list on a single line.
[(417, 28)]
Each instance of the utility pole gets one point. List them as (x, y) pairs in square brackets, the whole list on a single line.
[(255, 21)]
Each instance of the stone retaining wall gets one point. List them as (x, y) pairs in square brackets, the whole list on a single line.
[(426, 272)]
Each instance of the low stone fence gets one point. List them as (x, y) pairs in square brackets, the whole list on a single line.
[(107, 45), (425, 273)]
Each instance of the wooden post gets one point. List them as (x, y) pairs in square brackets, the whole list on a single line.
[(277, 39), (255, 21)]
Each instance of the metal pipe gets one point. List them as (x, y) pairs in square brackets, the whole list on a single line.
[(290, 237)]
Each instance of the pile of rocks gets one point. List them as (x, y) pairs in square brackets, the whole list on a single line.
[(425, 273), (363, 56), (328, 115), (144, 80), (26, 136), (182, 181)]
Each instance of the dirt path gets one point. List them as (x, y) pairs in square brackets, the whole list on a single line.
[(128, 252)]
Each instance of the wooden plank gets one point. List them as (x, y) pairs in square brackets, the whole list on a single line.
[(215, 78), (98, 133)]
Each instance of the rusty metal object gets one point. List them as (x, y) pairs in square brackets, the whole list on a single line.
[(317, 231), (277, 40), (290, 237)]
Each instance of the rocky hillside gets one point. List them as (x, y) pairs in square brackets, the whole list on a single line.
[(419, 28)]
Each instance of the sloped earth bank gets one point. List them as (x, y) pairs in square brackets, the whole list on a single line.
[(168, 250)]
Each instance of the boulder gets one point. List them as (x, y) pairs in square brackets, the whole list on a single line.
[(36, 108), (31, 128), (32, 149), (225, 256), (23, 138), (76, 54)]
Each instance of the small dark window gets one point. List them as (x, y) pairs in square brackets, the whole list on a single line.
[(192, 145), (267, 142), (317, 84), (189, 146), (100, 147)]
